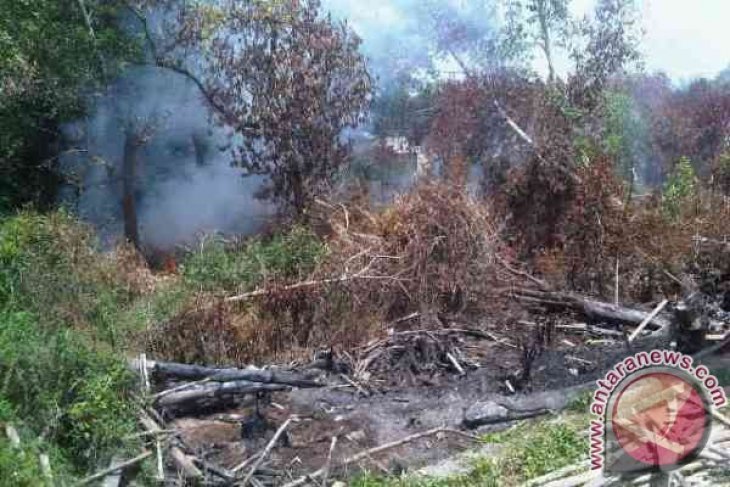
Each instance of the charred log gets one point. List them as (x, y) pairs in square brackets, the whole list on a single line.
[(185, 372)]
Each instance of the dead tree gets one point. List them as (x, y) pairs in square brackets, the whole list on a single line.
[(132, 142)]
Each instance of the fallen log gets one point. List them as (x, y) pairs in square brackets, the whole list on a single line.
[(599, 310), (188, 372), (621, 315), (217, 392)]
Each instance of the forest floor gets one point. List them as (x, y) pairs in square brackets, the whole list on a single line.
[(391, 406)]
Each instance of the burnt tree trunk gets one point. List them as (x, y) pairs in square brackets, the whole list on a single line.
[(200, 149), (129, 175)]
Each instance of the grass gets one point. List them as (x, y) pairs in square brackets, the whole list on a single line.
[(527, 451)]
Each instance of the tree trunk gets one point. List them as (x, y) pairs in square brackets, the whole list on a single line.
[(200, 149), (545, 34), (129, 174)]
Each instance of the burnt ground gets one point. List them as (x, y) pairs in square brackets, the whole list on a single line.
[(391, 403)]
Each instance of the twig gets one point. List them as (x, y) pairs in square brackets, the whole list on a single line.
[(720, 417), (143, 373), (714, 348), (291, 287), (578, 359), (267, 450), (366, 453), (160, 464), (556, 474), (247, 461), (181, 387), (355, 385), (523, 135), (326, 473), (114, 468), (541, 284), (455, 363), (648, 319), (113, 479)]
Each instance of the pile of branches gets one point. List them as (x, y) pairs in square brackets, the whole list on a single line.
[(414, 357), (435, 249)]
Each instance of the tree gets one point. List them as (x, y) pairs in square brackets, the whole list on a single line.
[(541, 23), (693, 122), (610, 45), (49, 51), (404, 107), (284, 78), (464, 32)]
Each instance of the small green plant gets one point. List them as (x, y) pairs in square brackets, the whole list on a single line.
[(60, 372), (679, 188), (581, 402), (51, 266), (625, 136)]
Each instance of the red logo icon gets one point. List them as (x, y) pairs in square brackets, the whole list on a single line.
[(660, 419)]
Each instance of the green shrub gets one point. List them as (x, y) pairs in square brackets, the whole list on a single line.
[(51, 266), (59, 384), (679, 188), (216, 267), (20, 466)]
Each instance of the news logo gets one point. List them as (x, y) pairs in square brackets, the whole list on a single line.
[(653, 413)]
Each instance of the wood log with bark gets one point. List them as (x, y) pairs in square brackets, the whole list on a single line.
[(596, 310), (215, 392), (186, 372)]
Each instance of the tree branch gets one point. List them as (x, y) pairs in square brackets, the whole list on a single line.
[(160, 62)]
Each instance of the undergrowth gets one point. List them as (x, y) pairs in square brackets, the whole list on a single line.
[(218, 267), (62, 375)]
